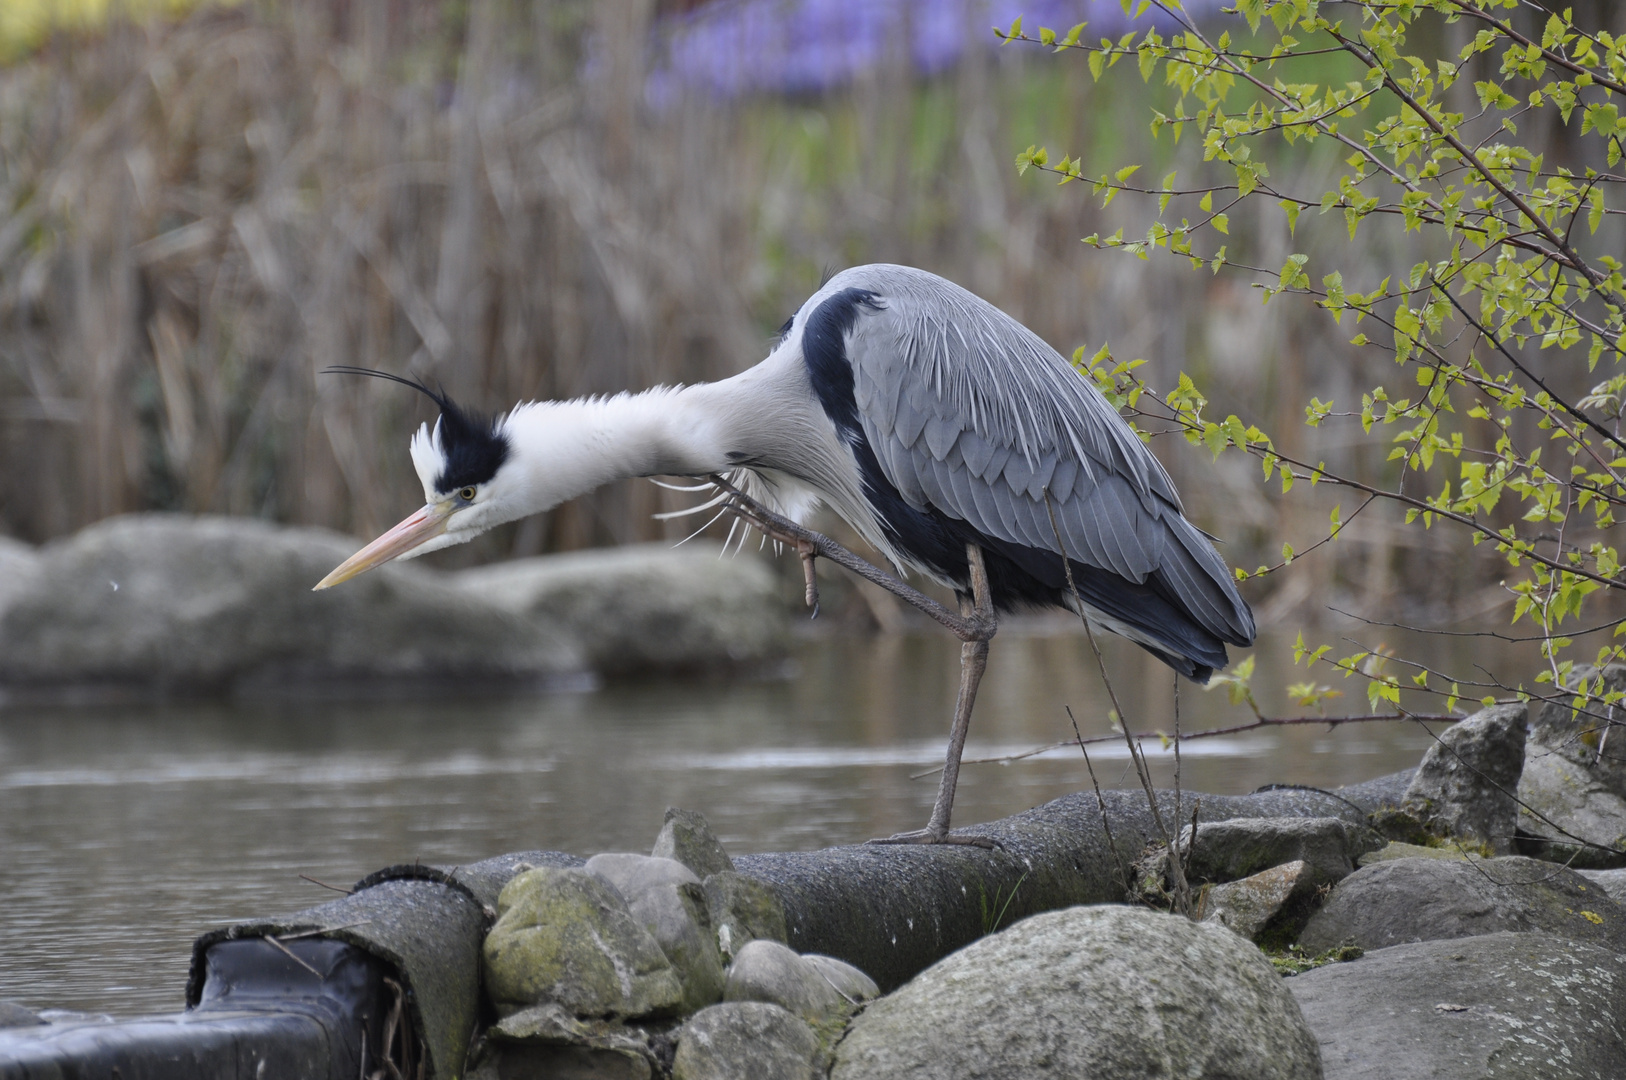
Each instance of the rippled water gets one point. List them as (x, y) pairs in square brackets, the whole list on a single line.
[(125, 832)]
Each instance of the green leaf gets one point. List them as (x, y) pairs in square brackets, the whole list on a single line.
[(1222, 223), (1292, 209)]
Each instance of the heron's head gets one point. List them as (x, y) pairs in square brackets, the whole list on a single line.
[(460, 462)]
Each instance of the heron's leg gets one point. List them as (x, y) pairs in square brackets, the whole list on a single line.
[(973, 662)]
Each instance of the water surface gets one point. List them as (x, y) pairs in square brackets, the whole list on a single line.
[(127, 831)]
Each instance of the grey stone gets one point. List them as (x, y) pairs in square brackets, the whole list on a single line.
[(1240, 847), (632, 874), (1466, 783), (547, 1041), (1431, 899), (676, 915), (848, 981), (15, 1015), (687, 837), (665, 897), (174, 602), (771, 972), (743, 910), (1562, 801), (1612, 882), (1395, 850), (1584, 739), (566, 936), (1532, 1006), (1399, 826), (648, 608), (1104, 992), (745, 1040), (1248, 906), (20, 564)]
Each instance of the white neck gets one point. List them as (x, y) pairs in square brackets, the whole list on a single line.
[(765, 419), (561, 449)]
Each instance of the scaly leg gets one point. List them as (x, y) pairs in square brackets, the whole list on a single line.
[(973, 662), (974, 625)]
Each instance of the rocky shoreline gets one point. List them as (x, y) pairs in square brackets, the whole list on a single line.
[(166, 605), (1368, 932), (1365, 932), (1320, 948)]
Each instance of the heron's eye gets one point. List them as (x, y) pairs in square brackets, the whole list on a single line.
[(467, 494)]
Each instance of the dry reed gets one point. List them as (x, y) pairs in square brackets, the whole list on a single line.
[(200, 216)]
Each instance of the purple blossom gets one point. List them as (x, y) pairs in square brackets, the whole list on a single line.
[(737, 47)]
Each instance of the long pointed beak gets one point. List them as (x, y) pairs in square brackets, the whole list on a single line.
[(425, 524)]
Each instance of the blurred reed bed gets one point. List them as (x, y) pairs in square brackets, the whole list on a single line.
[(529, 200)]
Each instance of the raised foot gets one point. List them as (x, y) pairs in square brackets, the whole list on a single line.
[(928, 836)]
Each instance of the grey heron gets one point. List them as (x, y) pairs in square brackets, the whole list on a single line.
[(948, 435)]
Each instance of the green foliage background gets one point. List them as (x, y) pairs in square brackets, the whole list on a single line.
[(1516, 307)]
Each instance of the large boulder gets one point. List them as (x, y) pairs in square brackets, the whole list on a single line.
[(1564, 803), (1573, 790), (1105, 992), (567, 937), (216, 604), (647, 608), (1582, 734), (745, 1040), (1533, 1006), (1465, 786), (1390, 903)]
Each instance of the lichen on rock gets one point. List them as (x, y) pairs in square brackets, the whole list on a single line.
[(743, 910), (567, 936)]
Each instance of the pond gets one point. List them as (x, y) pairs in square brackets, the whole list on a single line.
[(127, 831)]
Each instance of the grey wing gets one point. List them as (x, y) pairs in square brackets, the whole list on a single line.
[(970, 412)]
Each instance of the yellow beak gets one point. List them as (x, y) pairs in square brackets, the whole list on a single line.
[(423, 525)]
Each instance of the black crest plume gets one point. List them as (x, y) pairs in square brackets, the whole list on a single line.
[(473, 446)]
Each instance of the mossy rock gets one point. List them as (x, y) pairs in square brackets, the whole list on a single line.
[(566, 936), (1396, 850), (743, 910)]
